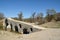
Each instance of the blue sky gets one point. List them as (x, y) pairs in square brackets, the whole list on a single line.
[(11, 8)]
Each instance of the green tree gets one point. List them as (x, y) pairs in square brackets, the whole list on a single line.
[(1, 15), (54, 14), (51, 14)]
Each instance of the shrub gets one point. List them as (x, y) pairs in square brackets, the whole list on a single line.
[(1, 27)]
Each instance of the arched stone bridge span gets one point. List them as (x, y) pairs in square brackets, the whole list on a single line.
[(20, 26)]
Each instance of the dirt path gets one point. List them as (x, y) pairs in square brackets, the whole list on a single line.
[(47, 34), (5, 35)]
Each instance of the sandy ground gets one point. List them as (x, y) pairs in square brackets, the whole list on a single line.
[(47, 34)]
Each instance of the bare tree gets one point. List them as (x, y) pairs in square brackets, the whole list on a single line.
[(33, 17), (20, 15), (40, 18), (47, 16)]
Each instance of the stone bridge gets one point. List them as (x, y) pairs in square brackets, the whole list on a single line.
[(20, 26)]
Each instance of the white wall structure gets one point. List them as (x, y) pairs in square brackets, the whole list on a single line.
[(20, 26)]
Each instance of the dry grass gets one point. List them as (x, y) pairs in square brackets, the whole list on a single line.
[(51, 25)]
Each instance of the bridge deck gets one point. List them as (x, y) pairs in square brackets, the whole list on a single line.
[(35, 26)]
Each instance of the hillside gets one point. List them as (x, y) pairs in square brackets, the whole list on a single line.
[(51, 25)]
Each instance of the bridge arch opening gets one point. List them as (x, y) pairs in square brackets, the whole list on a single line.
[(11, 27), (6, 23), (16, 28), (31, 29), (25, 31), (20, 26), (6, 20)]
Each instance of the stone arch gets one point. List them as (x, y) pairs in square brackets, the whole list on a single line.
[(25, 31), (16, 28)]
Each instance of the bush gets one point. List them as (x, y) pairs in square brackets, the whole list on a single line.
[(1, 27)]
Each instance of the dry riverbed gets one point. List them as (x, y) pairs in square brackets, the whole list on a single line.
[(47, 34)]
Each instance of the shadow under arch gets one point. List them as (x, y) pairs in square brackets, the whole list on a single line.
[(20, 26), (16, 28), (25, 31), (11, 26), (6, 23), (31, 29)]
